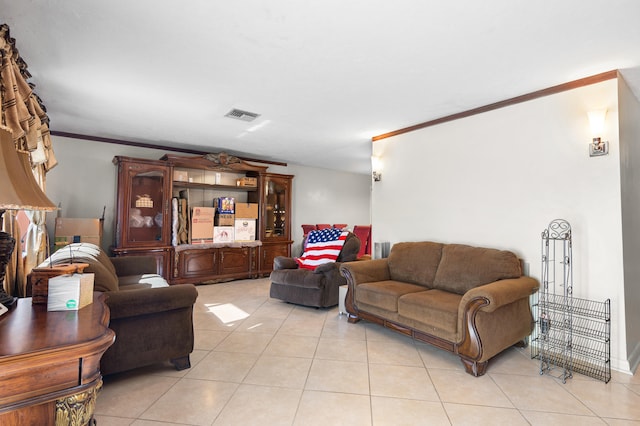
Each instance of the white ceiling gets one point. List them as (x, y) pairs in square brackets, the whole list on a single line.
[(324, 75)]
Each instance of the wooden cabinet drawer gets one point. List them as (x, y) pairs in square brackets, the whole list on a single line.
[(234, 261), (197, 263), (270, 252)]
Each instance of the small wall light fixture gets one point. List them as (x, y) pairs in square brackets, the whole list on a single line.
[(376, 166), (596, 119)]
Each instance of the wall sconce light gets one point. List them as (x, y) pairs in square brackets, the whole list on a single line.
[(596, 119), (376, 166)]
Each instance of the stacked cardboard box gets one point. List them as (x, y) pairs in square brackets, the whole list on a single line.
[(225, 208), (245, 221), (202, 225)]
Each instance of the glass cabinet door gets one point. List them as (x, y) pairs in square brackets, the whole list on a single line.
[(143, 217), (146, 207), (277, 205)]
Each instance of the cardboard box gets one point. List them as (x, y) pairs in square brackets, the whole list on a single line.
[(225, 205), (74, 230), (247, 181), (245, 229), (224, 219), (39, 279), (70, 292), (202, 225), (223, 234), (246, 210), (181, 176)]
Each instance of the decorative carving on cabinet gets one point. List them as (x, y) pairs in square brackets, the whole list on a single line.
[(222, 159)]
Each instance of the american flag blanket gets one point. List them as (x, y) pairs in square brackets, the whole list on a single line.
[(323, 246)]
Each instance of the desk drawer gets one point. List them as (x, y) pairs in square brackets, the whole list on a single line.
[(25, 383)]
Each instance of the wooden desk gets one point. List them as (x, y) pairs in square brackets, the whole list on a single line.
[(50, 363)]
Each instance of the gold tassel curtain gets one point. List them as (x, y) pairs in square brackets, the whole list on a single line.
[(22, 109), (25, 115)]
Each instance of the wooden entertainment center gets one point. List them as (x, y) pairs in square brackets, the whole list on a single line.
[(144, 215)]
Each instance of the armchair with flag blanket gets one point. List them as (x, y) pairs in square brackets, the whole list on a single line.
[(313, 279)]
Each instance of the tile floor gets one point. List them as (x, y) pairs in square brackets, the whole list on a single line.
[(259, 361)]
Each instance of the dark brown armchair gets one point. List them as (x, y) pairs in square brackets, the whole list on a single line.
[(153, 321), (318, 288)]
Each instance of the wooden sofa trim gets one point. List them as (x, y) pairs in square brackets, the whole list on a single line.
[(469, 349)]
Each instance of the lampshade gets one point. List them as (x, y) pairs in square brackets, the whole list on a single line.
[(596, 121), (377, 164), (18, 187), (376, 167)]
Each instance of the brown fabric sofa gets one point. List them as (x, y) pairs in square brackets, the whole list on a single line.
[(318, 288), (153, 321), (471, 301)]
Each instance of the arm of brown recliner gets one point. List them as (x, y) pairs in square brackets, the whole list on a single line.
[(282, 262), (366, 271), (134, 265), (331, 271), (131, 303)]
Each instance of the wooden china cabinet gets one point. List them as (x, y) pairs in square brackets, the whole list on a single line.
[(143, 225), (145, 211), (275, 224)]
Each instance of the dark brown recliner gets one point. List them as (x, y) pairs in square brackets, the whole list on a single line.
[(317, 288)]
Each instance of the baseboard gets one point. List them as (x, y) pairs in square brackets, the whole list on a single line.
[(630, 365)]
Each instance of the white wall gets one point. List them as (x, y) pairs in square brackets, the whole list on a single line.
[(630, 184), (85, 180), (497, 179)]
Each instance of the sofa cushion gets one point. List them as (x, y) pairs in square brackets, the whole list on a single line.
[(384, 294), (464, 267), (141, 281), (415, 262), (435, 308), (350, 249)]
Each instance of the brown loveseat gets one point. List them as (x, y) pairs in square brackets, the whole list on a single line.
[(318, 288), (153, 321), (471, 301)]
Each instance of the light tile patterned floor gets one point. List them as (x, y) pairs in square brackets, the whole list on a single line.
[(259, 361)]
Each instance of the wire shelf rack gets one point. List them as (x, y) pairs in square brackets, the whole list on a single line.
[(571, 334)]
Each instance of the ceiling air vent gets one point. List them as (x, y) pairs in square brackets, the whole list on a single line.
[(238, 114)]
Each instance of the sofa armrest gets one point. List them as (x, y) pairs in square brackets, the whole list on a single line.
[(130, 303), (134, 265), (501, 293), (282, 262), (365, 271)]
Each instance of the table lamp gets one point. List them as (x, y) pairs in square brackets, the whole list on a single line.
[(18, 191)]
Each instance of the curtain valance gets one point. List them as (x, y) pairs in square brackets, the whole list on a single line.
[(22, 110)]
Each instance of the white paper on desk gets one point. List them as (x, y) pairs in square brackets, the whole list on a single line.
[(70, 292)]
